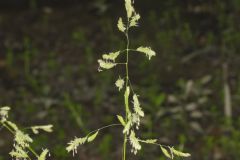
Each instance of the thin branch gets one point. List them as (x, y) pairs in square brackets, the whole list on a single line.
[(104, 127)]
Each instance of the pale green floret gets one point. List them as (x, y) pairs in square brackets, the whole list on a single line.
[(12, 125), (129, 8), (134, 20), (166, 153), (4, 113), (22, 139), (135, 120), (111, 56), (43, 155), (126, 99), (149, 141), (171, 152), (72, 146), (121, 25), (121, 120), (180, 154), (105, 64), (92, 137), (138, 110), (134, 143), (46, 128), (119, 83), (148, 51), (18, 153)]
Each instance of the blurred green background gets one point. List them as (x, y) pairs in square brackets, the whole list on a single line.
[(190, 91)]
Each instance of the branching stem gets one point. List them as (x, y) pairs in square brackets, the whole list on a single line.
[(125, 50), (13, 132)]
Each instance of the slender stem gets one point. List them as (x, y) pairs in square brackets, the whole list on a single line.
[(124, 146), (125, 50), (8, 128), (127, 80), (121, 63), (104, 127), (133, 50), (158, 144), (31, 149)]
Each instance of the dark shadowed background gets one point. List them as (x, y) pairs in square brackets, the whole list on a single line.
[(190, 91)]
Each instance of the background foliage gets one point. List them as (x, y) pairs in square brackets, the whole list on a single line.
[(48, 74)]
